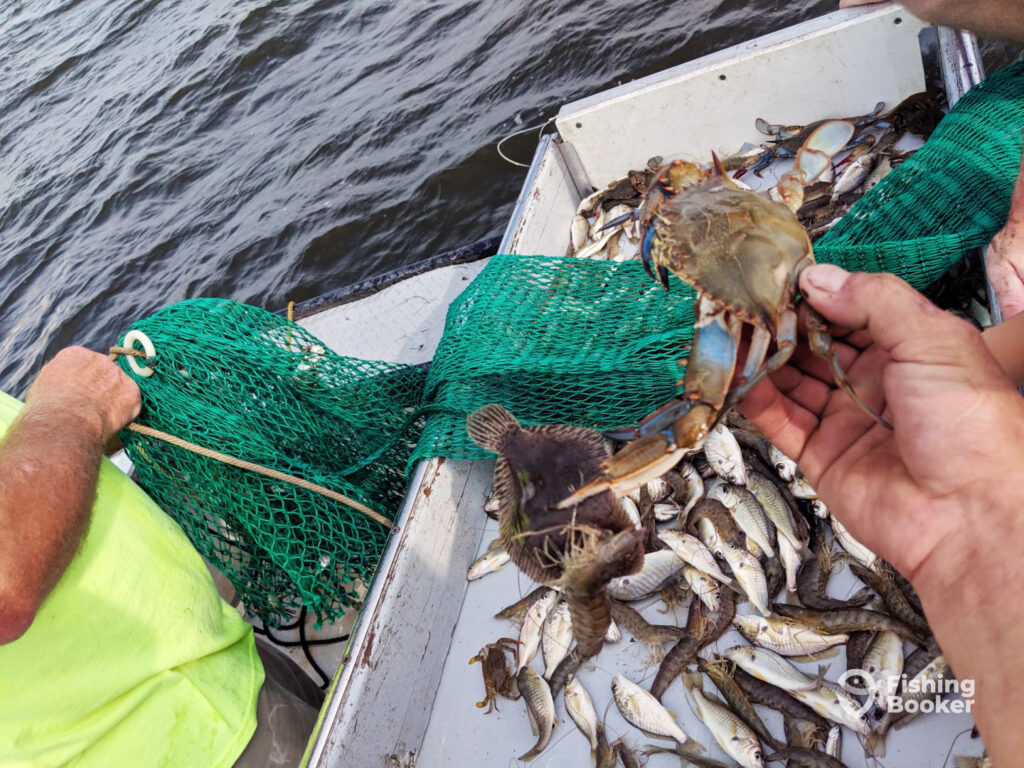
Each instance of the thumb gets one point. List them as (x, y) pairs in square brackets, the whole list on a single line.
[(901, 321)]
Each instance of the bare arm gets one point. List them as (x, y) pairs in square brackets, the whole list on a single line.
[(49, 462), (999, 19)]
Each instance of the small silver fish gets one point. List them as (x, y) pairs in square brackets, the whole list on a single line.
[(556, 637), (785, 636), (854, 175), (834, 745), (532, 628), (694, 486), (593, 250), (775, 507), (733, 735), (580, 707), (644, 711), (704, 587), (854, 548), (692, 550), (709, 536), (791, 561), (631, 510), (540, 709), (883, 662), (658, 489), (490, 561), (834, 703), (880, 172), (750, 576), (657, 569), (800, 488), (724, 455), (769, 667), (784, 466), (665, 511), (747, 513)]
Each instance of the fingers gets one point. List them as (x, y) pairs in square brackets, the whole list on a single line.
[(1004, 259), (785, 423), (900, 320), (89, 387)]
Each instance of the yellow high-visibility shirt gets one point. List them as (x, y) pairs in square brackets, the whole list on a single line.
[(133, 659)]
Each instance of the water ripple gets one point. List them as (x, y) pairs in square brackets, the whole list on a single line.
[(267, 150)]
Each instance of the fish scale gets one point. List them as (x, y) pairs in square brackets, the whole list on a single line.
[(556, 637), (657, 569), (580, 707), (747, 513), (734, 736), (644, 711)]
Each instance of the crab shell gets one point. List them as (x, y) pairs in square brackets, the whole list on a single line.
[(736, 247)]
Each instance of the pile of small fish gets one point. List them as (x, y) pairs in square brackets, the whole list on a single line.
[(605, 228), (733, 522)]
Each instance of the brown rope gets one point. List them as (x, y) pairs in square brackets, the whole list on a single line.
[(242, 464), (116, 352)]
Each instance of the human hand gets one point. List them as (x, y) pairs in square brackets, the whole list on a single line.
[(89, 389), (999, 19), (1004, 260), (910, 493)]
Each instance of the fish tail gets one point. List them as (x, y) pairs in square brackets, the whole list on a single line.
[(875, 745), (693, 681), (489, 425)]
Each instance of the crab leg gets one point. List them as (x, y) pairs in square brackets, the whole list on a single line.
[(813, 159), (684, 425), (823, 346), (785, 336), (759, 343)]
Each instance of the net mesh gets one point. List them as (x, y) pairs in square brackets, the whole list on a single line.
[(554, 340), (246, 382), (597, 344), (951, 196)]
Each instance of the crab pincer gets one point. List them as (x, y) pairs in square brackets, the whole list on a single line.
[(743, 253)]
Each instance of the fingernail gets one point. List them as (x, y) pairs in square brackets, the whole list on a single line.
[(826, 278)]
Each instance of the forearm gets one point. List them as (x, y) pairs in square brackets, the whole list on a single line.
[(1000, 19), (1006, 343), (49, 462), (969, 591)]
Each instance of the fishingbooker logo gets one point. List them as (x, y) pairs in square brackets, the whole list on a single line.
[(898, 693)]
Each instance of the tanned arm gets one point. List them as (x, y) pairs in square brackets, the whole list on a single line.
[(999, 19), (49, 463)]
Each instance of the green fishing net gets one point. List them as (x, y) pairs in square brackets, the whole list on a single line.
[(598, 344), (554, 340), (951, 196), (245, 382)]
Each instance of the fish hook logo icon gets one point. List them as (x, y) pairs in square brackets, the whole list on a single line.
[(860, 682)]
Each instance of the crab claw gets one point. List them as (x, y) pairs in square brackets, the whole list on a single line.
[(813, 159), (618, 220), (663, 276), (636, 464), (645, 250), (827, 140)]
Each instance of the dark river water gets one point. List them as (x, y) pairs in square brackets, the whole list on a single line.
[(266, 151)]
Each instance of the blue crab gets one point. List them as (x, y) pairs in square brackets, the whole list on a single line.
[(743, 253)]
